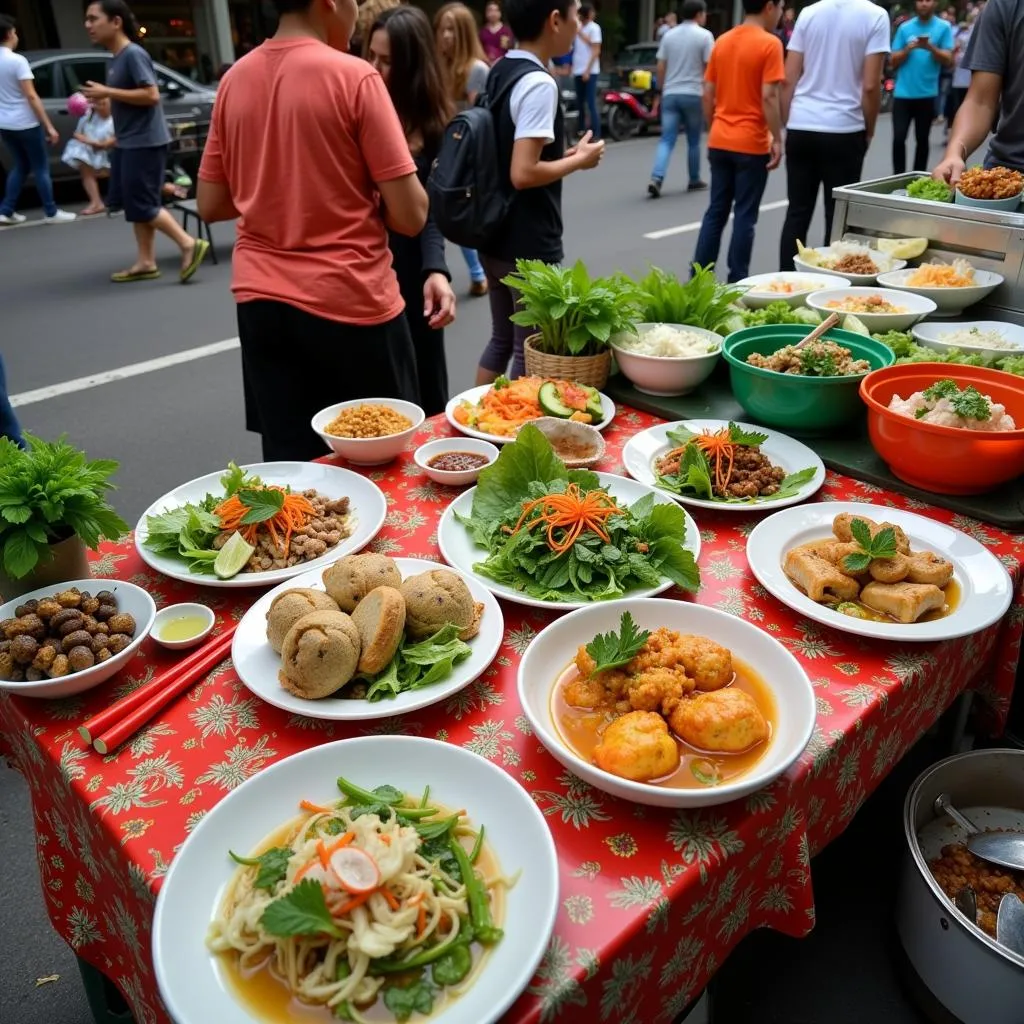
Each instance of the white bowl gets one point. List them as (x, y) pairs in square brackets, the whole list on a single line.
[(884, 262), (178, 611), (668, 376), (558, 431), (552, 650), (917, 307), (450, 478), (130, 598), (931, 335), (757, 299), (950, 301), (369, 451)]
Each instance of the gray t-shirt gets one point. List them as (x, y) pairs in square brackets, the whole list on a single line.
[(996, 45), (685, 49), (136, 127), (476, 80)]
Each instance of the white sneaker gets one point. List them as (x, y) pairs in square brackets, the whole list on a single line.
[(60, 217), (14, 218)]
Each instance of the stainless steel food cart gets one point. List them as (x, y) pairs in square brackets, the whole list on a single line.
[(993, 241)]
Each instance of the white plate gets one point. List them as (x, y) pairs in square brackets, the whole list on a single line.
[(883, 261), (917, 307), (367, 501), (459, 550), (191, 980), (986, 590), (932, 335), (473, 396), (757, 296), (950, 301), (642, 449), (552, 650), (257, 665)]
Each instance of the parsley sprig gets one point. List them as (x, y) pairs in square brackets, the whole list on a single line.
[(969, 403), (881, 545), (613, 650)]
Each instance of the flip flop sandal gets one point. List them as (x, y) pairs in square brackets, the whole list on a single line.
[(198, 255), (127, 276)]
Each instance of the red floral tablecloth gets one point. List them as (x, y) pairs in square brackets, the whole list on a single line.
[(652, 901)]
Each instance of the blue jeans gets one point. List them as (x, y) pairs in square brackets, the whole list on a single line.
[(586, 102), (737, 184), (8, 421), (678, 109), (473, 264), (28, 148)]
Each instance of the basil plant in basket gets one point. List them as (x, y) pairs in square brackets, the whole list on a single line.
[(50, 494)]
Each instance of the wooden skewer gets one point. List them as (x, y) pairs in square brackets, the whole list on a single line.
[(826, 325)]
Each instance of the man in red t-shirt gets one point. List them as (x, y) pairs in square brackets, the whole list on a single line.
[(307, 150)]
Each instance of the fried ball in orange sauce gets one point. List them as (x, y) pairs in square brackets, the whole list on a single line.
[(728, 721), (637, 746)]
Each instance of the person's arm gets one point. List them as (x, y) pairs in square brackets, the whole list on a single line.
[(144, 96), (438, 297), (28, 90), (476, 81), (871, 91), (974, 120), (943, 54), (901, 47), (529, 171), (794, 69), (708, 102), (772, 107), (213, 192)]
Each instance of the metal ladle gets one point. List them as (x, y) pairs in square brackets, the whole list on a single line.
[(1003, 848), (1010, 924)]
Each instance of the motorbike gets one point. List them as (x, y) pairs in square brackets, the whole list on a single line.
[(630, 111), (888, 84)]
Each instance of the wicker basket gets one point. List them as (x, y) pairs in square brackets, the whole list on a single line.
[(590, 370)]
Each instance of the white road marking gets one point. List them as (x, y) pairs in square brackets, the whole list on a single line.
[(683, 229), (94, 380)]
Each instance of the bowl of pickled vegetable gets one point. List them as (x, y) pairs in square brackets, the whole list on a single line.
[(810, 390)]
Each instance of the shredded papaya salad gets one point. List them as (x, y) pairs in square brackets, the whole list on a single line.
[(507, 405), (377, 899)]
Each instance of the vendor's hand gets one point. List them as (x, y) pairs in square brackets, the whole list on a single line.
[(950, 170), (93, 91), (438, 301), (52, 135), (587, 153), (585, 76), (775, 154)]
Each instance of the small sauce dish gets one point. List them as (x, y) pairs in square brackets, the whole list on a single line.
[(180, 626), (456, 449)]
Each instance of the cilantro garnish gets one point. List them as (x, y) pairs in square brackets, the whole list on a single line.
[(272, 864), (817, 363), (882, 545), (941, 389), (613, 650), (303, 911), (971, 404)]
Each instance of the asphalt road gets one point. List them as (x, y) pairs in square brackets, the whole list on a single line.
[(61, 323)]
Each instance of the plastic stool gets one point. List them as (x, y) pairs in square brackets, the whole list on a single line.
[(105, 1002)]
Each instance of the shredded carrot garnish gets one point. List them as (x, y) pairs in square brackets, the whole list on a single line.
[(321, 852), (386, 840), (421, 921), (567, 516), (293, 515), (306, 805), (341, 909), (341, 842), (416, 900), (720, 450), (391, 898)]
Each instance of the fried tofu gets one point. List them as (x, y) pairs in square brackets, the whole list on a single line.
[(889, 570), (841, 528), (905, 602), (927, 567), (819, 579), (833, 551)]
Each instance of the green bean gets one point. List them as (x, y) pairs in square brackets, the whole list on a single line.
[(477, 846), (426, 794), (485, 930), (365, 796)]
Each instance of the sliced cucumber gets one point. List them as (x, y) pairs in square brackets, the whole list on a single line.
[(551, 402), (594, 406)]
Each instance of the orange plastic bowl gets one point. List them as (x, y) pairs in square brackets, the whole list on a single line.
[(945, 460)]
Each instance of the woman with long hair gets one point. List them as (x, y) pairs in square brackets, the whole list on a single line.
[(138, 163), (465, 72), (400, 46)]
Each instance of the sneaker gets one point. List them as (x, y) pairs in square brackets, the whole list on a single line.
[(478, 288), (12, 218), (696, 186), (654, 188), (60, 217)]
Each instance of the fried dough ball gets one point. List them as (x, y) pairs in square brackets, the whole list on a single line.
[(584, 692), (45, 656), (104, 612), (27, 625), (117, 642), (34, 675), (70, 598), (80, 658), (637, 746), (103, 655), (351, 578), (436, 598), (60, 667), (78, 638), (89, 605), (725, 720), (122, 622), (707, 663), (320, 654), (47, 608), (6, 665), (28, 608), (658, 689), (287, 608), (73, 624), (23, 649)]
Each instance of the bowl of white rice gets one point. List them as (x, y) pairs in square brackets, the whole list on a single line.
[(992, 339), (667, 359)]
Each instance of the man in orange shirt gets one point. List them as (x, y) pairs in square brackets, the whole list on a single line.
[(306, 148), (742, 88)]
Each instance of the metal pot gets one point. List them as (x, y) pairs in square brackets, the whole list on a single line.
[(974, 978)]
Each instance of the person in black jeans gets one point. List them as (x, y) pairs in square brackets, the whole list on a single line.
[(905, 113), (9, 426)]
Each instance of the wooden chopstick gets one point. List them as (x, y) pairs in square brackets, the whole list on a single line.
[(190, 668), (826, 325)]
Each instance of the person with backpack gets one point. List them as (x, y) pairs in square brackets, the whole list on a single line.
[(497, 182)]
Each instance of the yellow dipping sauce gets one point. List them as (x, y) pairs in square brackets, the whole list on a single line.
[(184, 627)]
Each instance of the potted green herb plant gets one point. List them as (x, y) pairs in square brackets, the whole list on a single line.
[(53, 506), (575, 316)]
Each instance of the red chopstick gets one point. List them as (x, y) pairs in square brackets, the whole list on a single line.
[(125, 717)]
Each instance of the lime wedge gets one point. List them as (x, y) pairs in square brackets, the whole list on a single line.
[(233, 557), (851, 323), (903, 248), (809, 256)]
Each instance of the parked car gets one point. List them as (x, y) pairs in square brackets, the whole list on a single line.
[(59, 73)]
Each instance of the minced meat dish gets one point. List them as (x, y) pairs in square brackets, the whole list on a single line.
[(753, 474), (819, 359), (958, 867)]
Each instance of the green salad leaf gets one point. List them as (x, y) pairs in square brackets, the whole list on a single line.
[(702, 301), (644, 546), (780, 313), (272, 864), (417, 665), (405, 1000), (930, 189), (303, 911)]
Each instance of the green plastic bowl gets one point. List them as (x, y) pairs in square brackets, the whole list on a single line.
[(803, 405)]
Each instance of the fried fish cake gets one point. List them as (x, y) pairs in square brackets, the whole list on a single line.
[(637, 746), (727, 720)]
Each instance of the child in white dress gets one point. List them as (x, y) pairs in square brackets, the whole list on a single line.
[(88, 151)]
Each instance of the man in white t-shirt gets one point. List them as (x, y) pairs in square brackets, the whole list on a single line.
[(25, 129), (586, 65), (830, 105)]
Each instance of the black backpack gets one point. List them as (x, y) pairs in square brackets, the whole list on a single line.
[(468, 188)]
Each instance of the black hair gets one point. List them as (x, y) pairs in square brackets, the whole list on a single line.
[(7, 26), (416, 83), (691, 8), (119, 9), (758, 6), (586, 10), (291, 6), (527, 18)]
